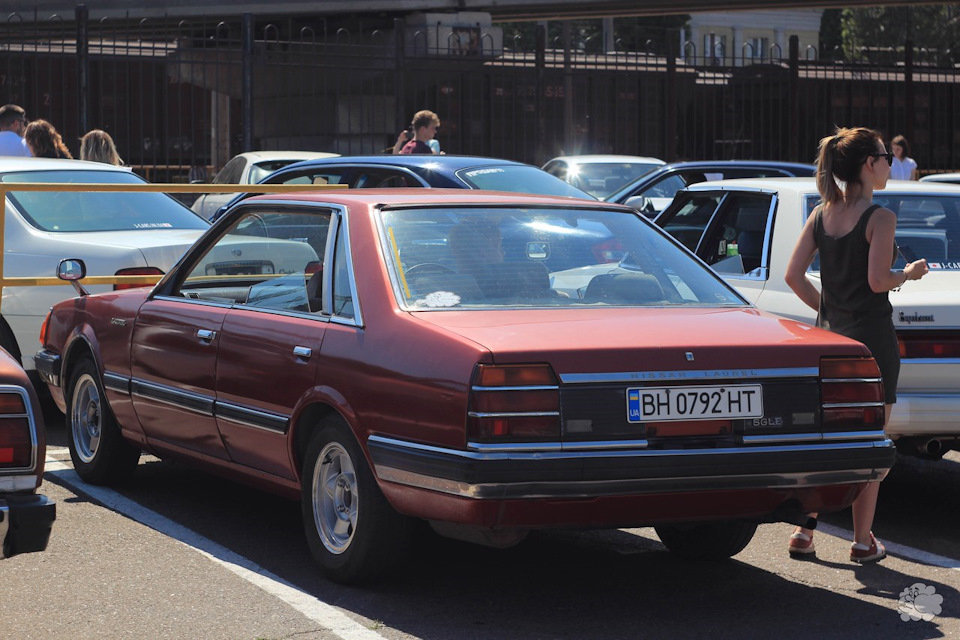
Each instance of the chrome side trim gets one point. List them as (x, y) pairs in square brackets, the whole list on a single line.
[(850, 405), (272, 422), (943, 361), (116, 382), (512, 447), (558, 450), (852, 380), (854, 435), (592, 489), (514, 414), (603, 444), (195, 402), (202, 303), (814, 437), (705, 374), (545, 387)]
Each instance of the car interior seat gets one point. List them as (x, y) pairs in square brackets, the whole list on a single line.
[(314, 290), (751, 224)]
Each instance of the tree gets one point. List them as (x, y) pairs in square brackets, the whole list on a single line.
[(932, 28)]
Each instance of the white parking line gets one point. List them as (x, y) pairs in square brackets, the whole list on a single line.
[(899, 550), (313, 608)]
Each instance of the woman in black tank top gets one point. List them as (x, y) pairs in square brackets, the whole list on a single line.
[(855, 240)]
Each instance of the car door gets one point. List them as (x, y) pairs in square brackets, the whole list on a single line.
[(270, 341), (173, 363), (730, 231)]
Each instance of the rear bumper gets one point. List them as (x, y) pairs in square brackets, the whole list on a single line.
[(579, 474), (25, 523), (925, 414), (610, 488)]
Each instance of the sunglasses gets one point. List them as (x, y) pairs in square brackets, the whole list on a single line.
[(888, 156)]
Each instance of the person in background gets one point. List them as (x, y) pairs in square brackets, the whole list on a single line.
[(13, 123), (97, 146), (44, 141), (855, 240), (904, 167), (416, 139)]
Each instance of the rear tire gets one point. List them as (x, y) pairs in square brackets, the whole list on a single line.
[(352, 531), (100, 454), (708, 540)]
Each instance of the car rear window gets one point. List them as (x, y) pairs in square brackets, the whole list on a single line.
[(519, 179), (78, 211), (928, 226), (484, 258)]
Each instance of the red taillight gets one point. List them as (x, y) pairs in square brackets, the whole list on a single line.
[(136, 271), (929, 344), (851, 393), (16, 441), (514, 402), (608, 251)]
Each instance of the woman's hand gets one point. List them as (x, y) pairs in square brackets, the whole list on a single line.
[(916, 270)]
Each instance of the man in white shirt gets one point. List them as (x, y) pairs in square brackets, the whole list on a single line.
[(13, 122)]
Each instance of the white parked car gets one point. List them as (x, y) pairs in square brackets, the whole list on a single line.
[(601, 175), (114, 233), (249, 168), (950, 178), (746, 230)]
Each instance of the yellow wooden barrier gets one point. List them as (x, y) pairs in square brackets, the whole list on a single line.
[(23, 281)]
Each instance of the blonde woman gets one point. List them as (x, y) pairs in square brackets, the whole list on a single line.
[(855, 240), (97, 146)]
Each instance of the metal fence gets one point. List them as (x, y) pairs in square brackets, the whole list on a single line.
[(181, 97)]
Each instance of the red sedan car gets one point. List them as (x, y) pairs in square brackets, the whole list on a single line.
[(488, 362)]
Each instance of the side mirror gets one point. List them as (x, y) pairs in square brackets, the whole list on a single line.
[(73, 270), (641, 204)]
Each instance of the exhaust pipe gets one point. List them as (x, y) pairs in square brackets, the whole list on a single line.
[(933, 448)]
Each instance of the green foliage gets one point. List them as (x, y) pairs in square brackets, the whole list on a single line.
[(933, 29)]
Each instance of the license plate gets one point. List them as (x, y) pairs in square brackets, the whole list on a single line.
[(662, 404)]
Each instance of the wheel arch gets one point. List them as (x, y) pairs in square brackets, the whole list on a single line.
[(322, 403), (78, 346)]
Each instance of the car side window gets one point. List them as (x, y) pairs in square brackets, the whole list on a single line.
[(665, 188), (342, 284), (316, 176), (384, 179), (266, 259), (734, 241), (231, 172)]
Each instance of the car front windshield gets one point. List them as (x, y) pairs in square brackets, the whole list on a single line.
[(80, 211), (261, 170), (519, 179), (602, 179), (928, 226), (487, 258)]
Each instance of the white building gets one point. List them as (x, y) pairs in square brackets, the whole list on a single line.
[(737, 37)]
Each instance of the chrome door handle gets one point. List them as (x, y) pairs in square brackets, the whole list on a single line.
[(206, 334), (303, 352)]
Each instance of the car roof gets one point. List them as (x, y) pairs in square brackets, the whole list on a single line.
[(10, 164), (703, 164), (606, 159), (941, 177), (428, 196), (446, 161), (258, 156), (809, 185)]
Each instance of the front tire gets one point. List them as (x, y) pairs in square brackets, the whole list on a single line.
[(708, 540), (352, 531), (100, 454)]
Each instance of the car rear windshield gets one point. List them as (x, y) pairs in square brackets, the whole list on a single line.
[(73, 211), (519, 179), (483, 258), (928, 226), (602, 179)]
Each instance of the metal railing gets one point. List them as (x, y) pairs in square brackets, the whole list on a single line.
[(53, 280)]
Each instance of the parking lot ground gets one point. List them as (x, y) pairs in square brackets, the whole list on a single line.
[(181, 554)]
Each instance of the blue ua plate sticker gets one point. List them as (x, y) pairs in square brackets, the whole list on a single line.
[(662, 404)]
